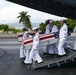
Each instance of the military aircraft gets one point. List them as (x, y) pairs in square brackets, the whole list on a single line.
[(63, 8)]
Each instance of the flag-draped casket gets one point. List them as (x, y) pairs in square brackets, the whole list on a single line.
[(20, 36), (45, 39)]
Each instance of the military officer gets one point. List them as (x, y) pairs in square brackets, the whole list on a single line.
[(47, 31), (53, 49), (47, 27), (22, 48), (34, 54), (62, 37), (27, 51)]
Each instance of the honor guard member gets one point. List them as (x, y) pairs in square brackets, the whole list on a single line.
[(54, 28), (27, 51), (53, 49), (47, 27), (75, 38), (22, 48), (62, 37), (34, 54), (47, 31)]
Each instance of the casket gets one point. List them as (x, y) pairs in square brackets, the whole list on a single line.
[(20, 36), (45, 39)]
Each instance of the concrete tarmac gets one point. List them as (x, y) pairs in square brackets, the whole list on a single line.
[(10, 64)]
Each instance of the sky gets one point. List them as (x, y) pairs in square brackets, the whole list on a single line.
[(9, 12)]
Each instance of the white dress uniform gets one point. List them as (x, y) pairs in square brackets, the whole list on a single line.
[(53, 49), (27, 56), (27, 53), (62, 39), (54, 29), (48, 28), (22, 48), (34, 51), (75, 39)]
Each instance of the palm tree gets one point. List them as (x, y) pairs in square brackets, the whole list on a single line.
[(25, 19)]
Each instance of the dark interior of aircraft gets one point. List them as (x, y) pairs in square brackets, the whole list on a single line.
[(63, 8)]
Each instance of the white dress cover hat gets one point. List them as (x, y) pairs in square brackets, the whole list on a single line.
[(34, 28)]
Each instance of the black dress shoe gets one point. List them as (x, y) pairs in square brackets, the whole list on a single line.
[(45, 53), (61, 55), (24, 63), (41, 62), (29, 64), (22, 58)]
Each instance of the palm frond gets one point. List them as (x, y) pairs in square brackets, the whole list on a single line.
[(25, 19)]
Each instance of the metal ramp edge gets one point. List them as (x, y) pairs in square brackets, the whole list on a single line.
[(57, 61)]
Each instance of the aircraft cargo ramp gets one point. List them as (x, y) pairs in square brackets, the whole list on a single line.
[(54, 60)]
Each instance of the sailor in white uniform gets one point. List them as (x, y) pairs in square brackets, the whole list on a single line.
[(47, 27), (22, 48), (34, 54), (62, 37), (75, 39), (27, 51), (47, 31), (53, 49)]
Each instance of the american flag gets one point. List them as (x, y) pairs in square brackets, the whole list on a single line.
[(56, 34), (43, 37)]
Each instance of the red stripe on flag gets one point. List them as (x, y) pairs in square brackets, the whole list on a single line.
[(20, 35), (40, 32), (28, 42), (42, 38)]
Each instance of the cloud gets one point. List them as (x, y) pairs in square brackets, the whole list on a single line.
[(1, 2), (10, 13)]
